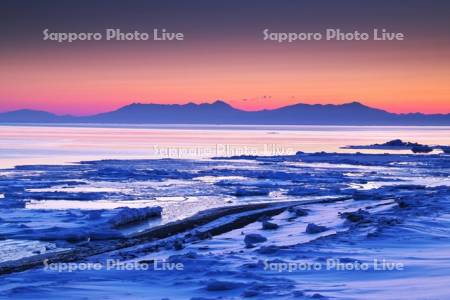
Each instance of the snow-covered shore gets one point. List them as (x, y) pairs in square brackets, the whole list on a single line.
[(344, 226)]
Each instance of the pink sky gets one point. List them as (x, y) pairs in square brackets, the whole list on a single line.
[(80, 81)]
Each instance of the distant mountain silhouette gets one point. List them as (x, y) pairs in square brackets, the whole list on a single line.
[(32, 116), (219, 112)]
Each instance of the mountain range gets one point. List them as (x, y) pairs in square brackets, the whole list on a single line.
[(219, 112)]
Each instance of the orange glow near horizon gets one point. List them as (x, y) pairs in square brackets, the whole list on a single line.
[(251, 77)]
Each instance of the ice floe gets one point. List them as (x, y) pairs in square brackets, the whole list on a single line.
[(330, 211)]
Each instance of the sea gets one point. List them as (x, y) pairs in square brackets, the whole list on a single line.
[(66, 144)]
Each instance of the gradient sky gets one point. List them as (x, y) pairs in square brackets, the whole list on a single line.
[(223, 55)]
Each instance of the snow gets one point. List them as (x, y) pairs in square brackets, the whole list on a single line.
[(392, 209), (16, 249)]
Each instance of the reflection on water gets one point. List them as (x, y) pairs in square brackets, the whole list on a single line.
[(21, 145)]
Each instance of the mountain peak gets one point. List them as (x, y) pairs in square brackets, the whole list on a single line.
[(354, 104), (220, 102)]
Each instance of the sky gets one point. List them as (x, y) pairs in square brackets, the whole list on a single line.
[(223, 55)]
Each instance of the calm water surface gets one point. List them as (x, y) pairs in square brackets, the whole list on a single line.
[(20, 145)]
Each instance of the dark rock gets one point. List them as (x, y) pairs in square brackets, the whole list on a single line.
[(356, 216), (388, 221), (396, 143), (178, 244), (299, 212), (404, 202), (253, 238), (313, 228), (266, 225), (298, 294), (421, 149)]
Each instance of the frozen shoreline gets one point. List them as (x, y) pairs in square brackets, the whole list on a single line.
[(393, 209)]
